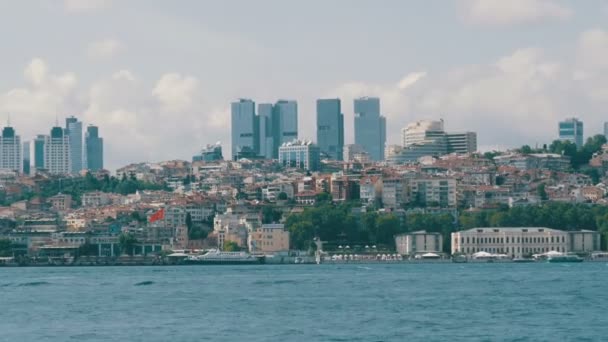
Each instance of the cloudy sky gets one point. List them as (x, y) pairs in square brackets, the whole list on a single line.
[(157, 77)]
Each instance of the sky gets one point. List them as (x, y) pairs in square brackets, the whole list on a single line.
[(158, 77)]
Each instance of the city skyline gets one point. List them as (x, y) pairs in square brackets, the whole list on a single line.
[(534, 64)]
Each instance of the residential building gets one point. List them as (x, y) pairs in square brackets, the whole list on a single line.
[(57, 152), (394, 193), (370, 127), (330, 128), (95, 199), (420, 242), (210, 153), (73, 129), (356, 153), (518, 242), (244, 131), (10, 150), (268, 238), (549, 161), (571, 130), (433, 191), (61, 202), (93, 149), (300, 154)]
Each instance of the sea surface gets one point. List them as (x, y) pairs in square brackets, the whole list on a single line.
[(404, 302)]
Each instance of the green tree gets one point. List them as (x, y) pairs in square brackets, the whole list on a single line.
[(6, 248), (127, 242), (231, 246), (282, 196), (541, 192)]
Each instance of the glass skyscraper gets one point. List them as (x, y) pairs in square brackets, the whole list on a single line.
[(370, 127), (39, 152), (244, 127), (74, 131), (93, 149), (571, 130), (284, 124), (10, 150), (330, 128)]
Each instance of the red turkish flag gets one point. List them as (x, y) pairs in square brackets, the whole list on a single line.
[(159, 215)]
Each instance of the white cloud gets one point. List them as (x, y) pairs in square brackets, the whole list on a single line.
[(508, 12), (80, 6), (104, 49), (176, 92)]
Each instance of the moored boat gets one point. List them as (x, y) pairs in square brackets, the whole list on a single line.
[(565, 258), (216, 257)]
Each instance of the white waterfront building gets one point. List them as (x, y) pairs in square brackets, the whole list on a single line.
[(523, 241)]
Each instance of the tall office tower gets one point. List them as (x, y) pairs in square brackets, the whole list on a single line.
[(57, 152), (606, 129), (74, 131), (330, 128), (244, 127), (571, 130), (370, 127), (27, 164), (93, 149), (284, 124), (39, 152), (10, 150), (265, 121)]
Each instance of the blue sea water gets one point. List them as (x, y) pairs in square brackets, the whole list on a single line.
[(405, 302)]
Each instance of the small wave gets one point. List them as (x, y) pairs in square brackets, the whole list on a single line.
[(274, 282), (364, 268), (34, 283), (145, 283)]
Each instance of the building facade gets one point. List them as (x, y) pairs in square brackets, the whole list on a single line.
[(433, 191), (10, 150), (244, 131), (370, 127), (518, 242), (300, 154), (73, 129), (210, 153), (268, 238), (27, 159), (39, 152), (571, 130), (419, 242), (93, 149), (57, 152), (330, 128), (465, 142)]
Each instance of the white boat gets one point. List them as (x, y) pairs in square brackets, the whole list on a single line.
[(215, 256)]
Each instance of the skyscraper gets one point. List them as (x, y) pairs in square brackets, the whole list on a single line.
[(571, 130), (285, 124), (39, 152), (370, 127), (10, 150), (27, 164), (606, 129), (57, 152), (330, 128), (244, 127), (265, 133), (93, 149), (74, 131)]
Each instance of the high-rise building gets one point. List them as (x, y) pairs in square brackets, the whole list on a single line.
[(330, 128), (26, 155), (606, 129), (10, 150), (39, 152), (93, 149), (57, 152), (370, 127), (244, 130), (209, 154), (265, 133), (285, 123), (74, 131), (463, 142), (300, 154), (571, 130)]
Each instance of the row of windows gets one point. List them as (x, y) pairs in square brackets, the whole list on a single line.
[(552, 239), (513, 250)]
